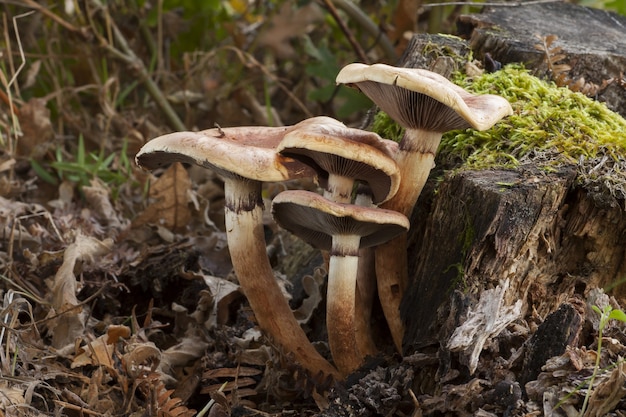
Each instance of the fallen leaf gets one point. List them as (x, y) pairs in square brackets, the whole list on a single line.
[(97, 196), (188, 349), (37, 131), (10, 396), (312, 286), (224, 293), (170, 209), (141, 358), (15, 234), (608, 393), (100, 351), (69, 323), (289, 23)]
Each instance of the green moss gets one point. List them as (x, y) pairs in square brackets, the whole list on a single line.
[(550, 124), (386, 127), (550, 127)]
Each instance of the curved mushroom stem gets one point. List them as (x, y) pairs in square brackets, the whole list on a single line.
[(415, 160), (340, 307), (246, 242)]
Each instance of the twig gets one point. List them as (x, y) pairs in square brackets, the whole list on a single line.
[(355, 45), (127, 55), (502, 4), (52, 16), (78, 408), (366, 23), (250, 61), (9, 83), (21, 50)]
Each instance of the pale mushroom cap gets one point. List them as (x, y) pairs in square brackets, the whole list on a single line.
[(324, 125), (421, 99), (247, 152), (330, 147), (316, 219)]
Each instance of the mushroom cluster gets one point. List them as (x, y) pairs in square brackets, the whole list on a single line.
[(426, 105), (369, 187)]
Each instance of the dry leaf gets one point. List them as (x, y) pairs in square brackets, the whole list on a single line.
[(213, 307), (224, 293), (10, 396), (100, 351), (141, 358), (97, 195), (188, 349), (238, 372), (286, 25), (84, 248), (37, 132), (170, 209), (14, 233), (608, 393), (70, 322), (312, 286)]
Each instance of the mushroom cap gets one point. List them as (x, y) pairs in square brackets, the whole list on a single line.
[(245, 152), (329, 146), (422, 99), (316, 219)]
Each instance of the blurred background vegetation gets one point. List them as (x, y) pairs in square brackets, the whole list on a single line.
[(116, 74)]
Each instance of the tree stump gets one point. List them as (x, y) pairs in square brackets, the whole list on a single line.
[(546, 235), (592, 42)]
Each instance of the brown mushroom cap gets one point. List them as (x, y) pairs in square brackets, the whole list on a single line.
[(421, 99), (248, 152), (330, 147), (316, 219)]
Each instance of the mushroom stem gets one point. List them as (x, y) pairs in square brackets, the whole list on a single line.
[(365, 293), (340, 308), (365, 286), (339, 188), (246, 242), (415, 159), (341, 229)]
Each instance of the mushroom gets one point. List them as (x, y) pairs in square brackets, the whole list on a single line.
[(426, 105), (365, 286), (341, 229), (341, 156), (245, 157)]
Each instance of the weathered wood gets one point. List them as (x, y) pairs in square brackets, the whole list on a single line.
[(483, 227), (593, 42), (560, 329), (547, 236)]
